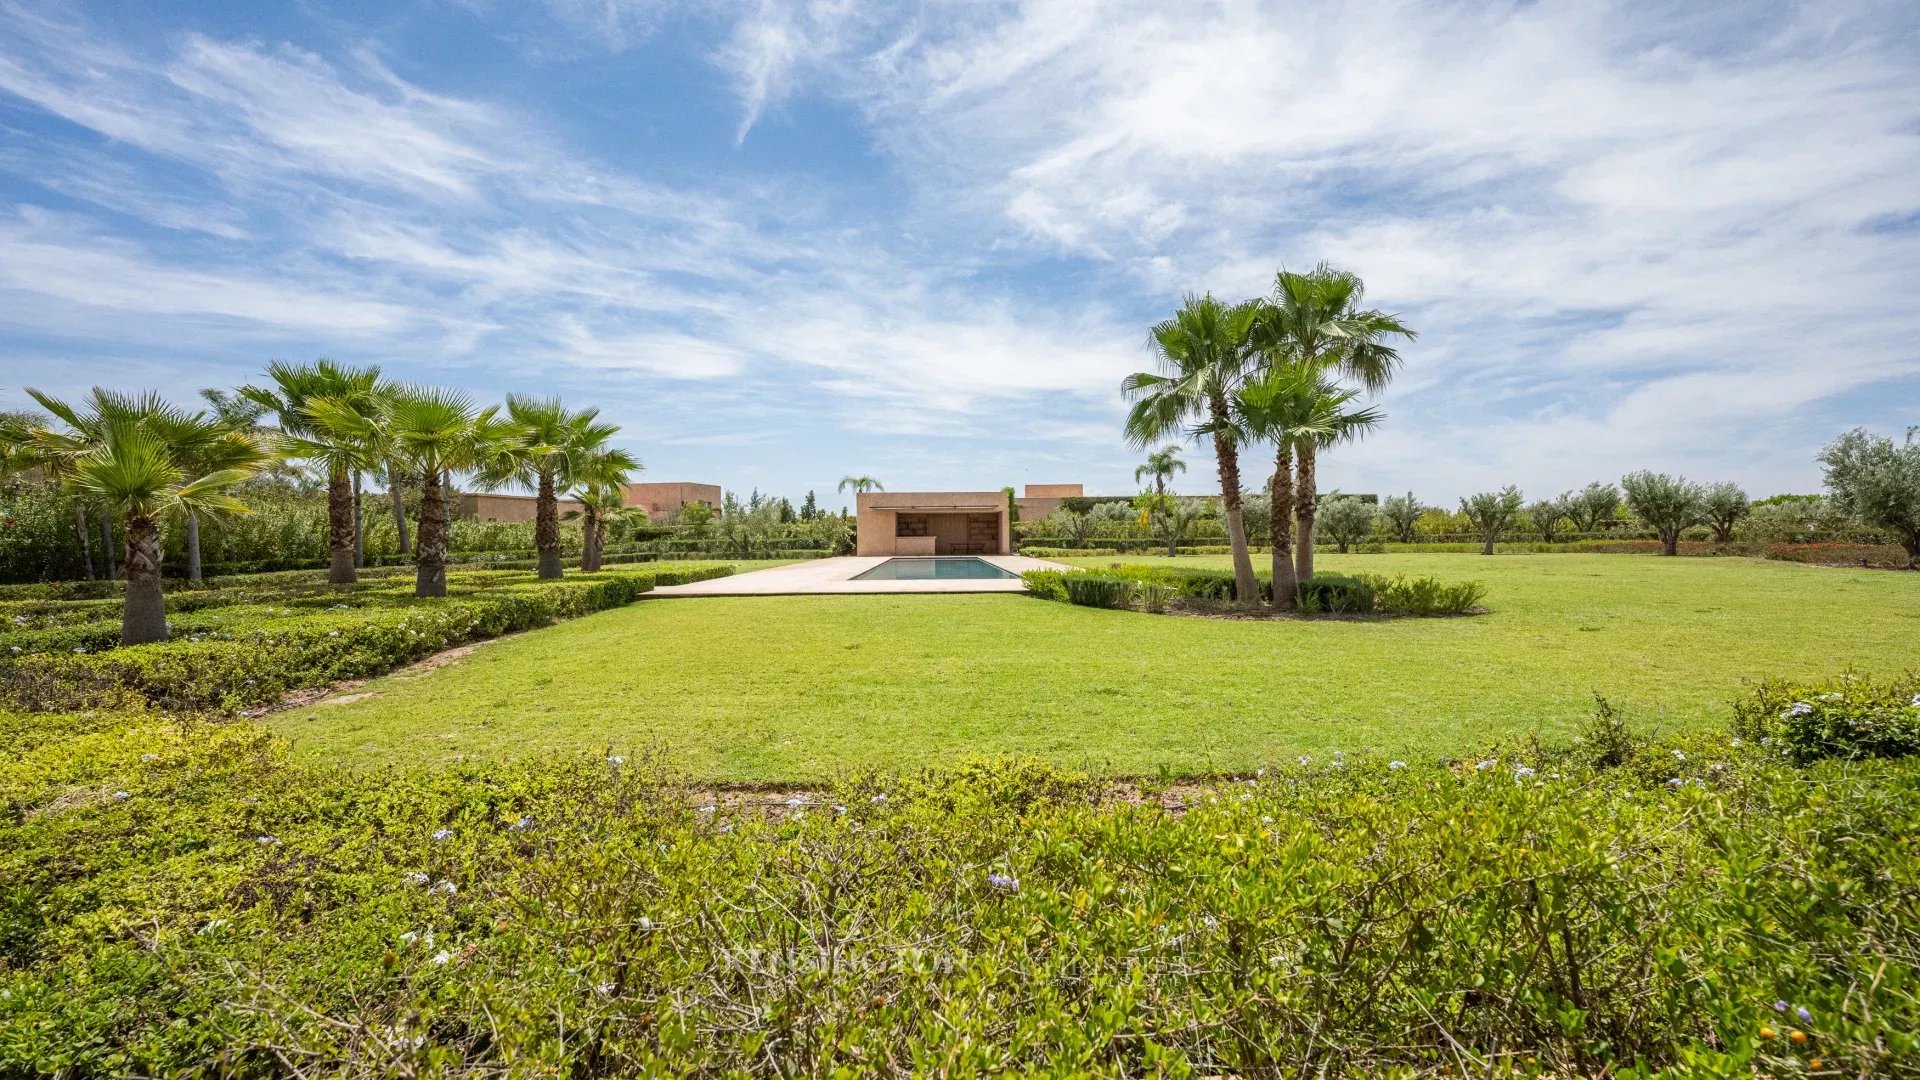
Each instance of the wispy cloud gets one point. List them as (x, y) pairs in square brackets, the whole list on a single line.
[(1631, 233)]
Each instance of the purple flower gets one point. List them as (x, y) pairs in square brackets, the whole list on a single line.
[(1004, 882), (1780, 1006), (1805, 1014), (1798, 708), (443, 834)]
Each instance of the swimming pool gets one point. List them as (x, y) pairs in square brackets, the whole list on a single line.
[(934, 568)]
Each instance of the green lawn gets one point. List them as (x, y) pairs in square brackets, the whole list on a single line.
[(794, 688)]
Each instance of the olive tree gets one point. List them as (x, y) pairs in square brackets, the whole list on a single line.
[(1878, 482), (1492, 513), (1723, 507), (1668, 504), (1400, 515), (1547, 514), (1594, 505), (1345, 520)]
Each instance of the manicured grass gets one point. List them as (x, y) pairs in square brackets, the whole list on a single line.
[(792, 688)]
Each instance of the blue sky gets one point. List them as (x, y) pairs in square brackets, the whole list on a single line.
[(785, 241)]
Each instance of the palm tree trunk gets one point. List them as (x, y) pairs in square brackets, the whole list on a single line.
[(106, 546), (80, 529), (430, 555), (193, 547), (1286, 586), (359, 525), (1246, 587), (399, 508), (1305, 497), (592, 538), (144, 618), (340, 528), (546, 528)]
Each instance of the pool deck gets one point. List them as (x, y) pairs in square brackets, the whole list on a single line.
[(835, 577)]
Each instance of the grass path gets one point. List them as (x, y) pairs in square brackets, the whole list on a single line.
[(795, 688)]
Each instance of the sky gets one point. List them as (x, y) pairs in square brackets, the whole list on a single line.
[(784, 242)]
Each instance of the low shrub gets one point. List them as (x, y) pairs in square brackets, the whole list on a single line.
[(177, 898), (1850, 717), (1046, 584), (1098, 590), (1066, 553), (1403, 595), (1336, 594)]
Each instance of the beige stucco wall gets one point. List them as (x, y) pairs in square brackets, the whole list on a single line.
[(946, 514), (493, 506), (661, 499)]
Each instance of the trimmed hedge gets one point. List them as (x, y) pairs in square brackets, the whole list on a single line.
[(254, 659)]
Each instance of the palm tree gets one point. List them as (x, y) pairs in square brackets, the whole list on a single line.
[(433, 433), (131, 455), (554, 442), (1314, 320), (600, 487), (1161, 465), (294, 387), (1300, 411), (1203, 359), (228, 439), (860, 485)]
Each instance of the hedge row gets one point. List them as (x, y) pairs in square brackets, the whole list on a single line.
[(182, 900), (247, 664), (1151, 585)]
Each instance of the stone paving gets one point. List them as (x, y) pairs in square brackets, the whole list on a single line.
[(834, 576)]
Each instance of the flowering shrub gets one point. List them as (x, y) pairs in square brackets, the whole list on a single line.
[(179, 898), (1849, 717)]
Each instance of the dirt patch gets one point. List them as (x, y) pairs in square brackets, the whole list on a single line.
[(342, 693)]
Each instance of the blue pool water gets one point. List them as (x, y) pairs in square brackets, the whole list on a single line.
[(945, 568)]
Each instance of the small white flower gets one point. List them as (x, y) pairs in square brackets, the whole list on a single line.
[(121, 796), (1735, 744), (1306, 759), (1916, 701), (1675, 782), (1679, 756), (797, 801), (1244, 796), (1485, 765), (446, 888), (604, 989), (1265, 819), (213, 926), (333, 633), (1522, 772), (615, 759), (417, 878), (646, 923), (1259, 772), (838, 809), (149, 757), (522, 825), (1396, 764), (1718, 766), (1798, 708), (266, 841), (441, 957), (880, 798), (410, 937), (443, 834)]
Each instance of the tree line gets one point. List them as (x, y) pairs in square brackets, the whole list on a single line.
[(136, 460)]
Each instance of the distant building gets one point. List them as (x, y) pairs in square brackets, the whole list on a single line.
[(659, 500), (1042, 500), (933, 523)]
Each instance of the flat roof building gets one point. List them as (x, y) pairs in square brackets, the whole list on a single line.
[(933, 523), (658, 500)]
